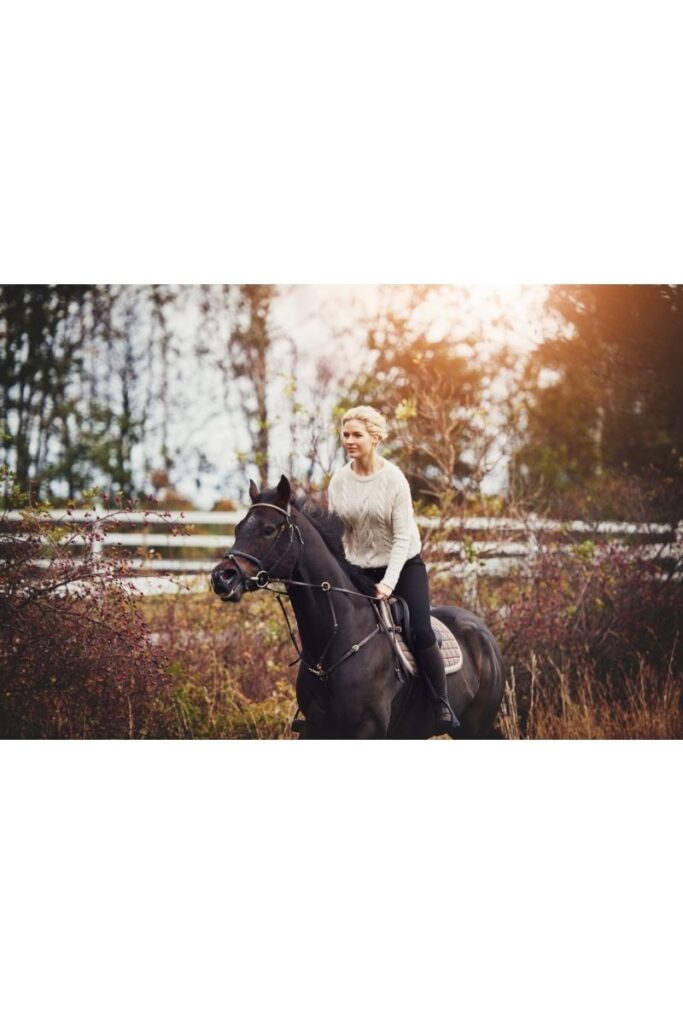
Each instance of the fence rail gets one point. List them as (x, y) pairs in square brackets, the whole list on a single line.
[(475, 556), (531, 523)]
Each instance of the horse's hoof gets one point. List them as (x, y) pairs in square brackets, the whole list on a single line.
[(298, 725)]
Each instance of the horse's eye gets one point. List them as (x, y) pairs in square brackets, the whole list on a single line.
[(269, 530)]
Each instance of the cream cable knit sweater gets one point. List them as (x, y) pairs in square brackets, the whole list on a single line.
[(377, 513)]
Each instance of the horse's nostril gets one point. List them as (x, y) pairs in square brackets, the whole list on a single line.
[(222, 580)]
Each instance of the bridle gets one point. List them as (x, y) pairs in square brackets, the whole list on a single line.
[(263, 578)]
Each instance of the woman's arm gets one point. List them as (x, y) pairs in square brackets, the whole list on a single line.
[(331, 489), (401, 528)]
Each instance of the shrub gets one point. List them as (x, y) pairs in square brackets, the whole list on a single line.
[(586, 625), (76, 659), (591, 639), (229, 665)]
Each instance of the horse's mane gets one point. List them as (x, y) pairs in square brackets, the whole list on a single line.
[(331, 529)]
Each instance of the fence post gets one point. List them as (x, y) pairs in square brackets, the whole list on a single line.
[(96, 544), (469, 585)]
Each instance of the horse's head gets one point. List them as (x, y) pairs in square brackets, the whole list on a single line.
[(267, 545)]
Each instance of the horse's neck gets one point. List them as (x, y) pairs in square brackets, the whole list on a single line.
[(312, 605)]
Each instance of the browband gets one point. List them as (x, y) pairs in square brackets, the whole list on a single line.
[(264, 504)]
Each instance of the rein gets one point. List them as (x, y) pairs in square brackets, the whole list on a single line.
[(263, 578)]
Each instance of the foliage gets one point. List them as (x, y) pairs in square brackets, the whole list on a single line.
[(93, 382), (229, 666), (434, 393), (76, 384), (249, 344), (40, 355), (602, 396), (591, 642), (83, 655), (408, 374), (648, 706), (581, 628), (76, 659)]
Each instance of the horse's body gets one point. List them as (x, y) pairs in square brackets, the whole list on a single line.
[(362, 696)]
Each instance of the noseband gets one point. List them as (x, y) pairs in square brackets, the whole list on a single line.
[(264, 576)]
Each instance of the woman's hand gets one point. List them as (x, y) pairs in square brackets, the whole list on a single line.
[(382, 591)]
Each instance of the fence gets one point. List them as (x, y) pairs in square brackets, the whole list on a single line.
[(484, 546)]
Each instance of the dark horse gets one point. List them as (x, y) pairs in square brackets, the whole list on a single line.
[(348, 684)]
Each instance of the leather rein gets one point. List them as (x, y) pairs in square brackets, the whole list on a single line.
[(263, 578)]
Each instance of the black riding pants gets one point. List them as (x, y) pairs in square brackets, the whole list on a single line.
[(413, 587)]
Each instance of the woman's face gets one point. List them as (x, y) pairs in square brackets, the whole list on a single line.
[(356, 439)]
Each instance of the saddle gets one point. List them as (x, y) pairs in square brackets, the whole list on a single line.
[(396, 617)]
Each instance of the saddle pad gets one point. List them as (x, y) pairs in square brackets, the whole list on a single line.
[(450, 648)]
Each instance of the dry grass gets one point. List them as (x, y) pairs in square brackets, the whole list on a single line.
[(229, 666), (232, 679), (646, 705)]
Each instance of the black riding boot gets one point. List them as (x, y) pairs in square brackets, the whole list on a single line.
[(430, 663)]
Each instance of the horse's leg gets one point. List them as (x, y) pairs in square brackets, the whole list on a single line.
[(373, 724), (316, 726)]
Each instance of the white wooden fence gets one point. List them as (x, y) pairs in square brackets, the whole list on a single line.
[(495, 546)]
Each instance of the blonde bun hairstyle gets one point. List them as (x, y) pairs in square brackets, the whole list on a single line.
[(375, 424)]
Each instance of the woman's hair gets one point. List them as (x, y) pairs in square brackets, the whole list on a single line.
[(374, 421)]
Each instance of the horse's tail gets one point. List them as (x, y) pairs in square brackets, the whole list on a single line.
[(482, 644)]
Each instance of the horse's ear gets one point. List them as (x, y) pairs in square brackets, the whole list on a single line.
[(284, 491), (253, 490)]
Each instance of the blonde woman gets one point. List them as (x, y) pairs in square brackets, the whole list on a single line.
[(372, 498)]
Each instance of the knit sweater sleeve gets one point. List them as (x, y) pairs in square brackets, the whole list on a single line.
[(401, 522), (331, 488)]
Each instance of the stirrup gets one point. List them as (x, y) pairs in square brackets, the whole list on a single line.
[(441, 708)]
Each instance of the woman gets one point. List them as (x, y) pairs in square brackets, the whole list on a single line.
[(372, 498)]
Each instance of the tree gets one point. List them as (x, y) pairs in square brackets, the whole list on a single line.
[(83, 383), (602, 395), (249, 344), (431, 390), (41, 354)]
